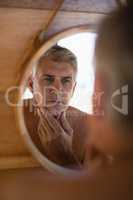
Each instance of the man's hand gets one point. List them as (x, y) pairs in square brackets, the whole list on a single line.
[(51, 128), (56, 136)]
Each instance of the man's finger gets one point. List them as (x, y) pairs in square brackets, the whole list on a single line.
[(65, 124), (43, 135), (54, 124), (44, 128), (57, 128)]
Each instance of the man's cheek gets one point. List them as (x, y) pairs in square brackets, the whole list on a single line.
[(66, 96)]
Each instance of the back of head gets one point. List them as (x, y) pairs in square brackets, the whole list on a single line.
[(114, 58)]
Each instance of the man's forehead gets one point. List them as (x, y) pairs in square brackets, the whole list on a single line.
[(55, 68)]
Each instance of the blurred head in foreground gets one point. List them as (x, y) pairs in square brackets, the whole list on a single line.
[(113, 130)]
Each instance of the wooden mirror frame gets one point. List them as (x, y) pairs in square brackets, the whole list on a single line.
[(45, 162)]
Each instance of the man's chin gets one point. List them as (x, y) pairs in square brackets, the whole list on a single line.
[(57, 110)]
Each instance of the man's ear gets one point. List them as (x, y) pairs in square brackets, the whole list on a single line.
[(30, 83), (73, 90)]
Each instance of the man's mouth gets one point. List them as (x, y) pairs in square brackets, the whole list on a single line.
[(55, 102)]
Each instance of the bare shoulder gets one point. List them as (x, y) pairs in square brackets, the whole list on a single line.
[(30, 113), (31, 122), (80, 123), (77, 116), (74, 110), (30, 116)]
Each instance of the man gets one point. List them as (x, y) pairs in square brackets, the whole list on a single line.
[(55, 127)]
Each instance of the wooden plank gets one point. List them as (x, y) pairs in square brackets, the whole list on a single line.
[(65, 20), (97, 6), (11, 141), (15, 162), (30, 4), (103, 6), (17, 28), (13, 151)]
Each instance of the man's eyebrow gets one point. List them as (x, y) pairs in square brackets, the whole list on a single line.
[(67, 77), (48, 75), (52, 76)]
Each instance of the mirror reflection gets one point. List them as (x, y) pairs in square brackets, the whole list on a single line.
[(57, 100)]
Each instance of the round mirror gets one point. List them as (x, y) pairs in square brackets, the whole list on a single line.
[(56, 94)]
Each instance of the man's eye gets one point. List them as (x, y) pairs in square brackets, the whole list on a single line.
[(48, 79), (65, 81)]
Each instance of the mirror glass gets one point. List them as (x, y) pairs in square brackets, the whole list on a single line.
[(57, 100)]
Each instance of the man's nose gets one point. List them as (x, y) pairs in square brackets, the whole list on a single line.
[(57, 85)]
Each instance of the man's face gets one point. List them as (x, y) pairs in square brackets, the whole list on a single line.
[(55, 84)]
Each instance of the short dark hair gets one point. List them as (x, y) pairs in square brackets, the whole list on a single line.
[(60, 54)]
